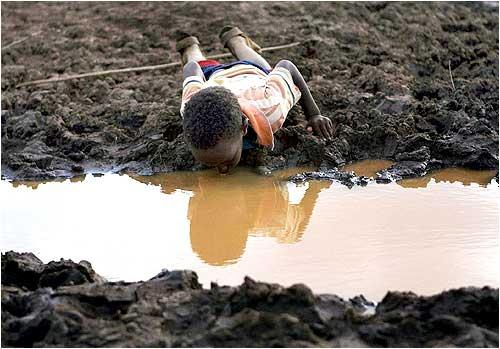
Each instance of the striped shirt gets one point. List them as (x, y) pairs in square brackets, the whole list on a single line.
[(272, 95)]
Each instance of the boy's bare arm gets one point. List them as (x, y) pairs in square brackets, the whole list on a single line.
[(192, 69), (321, 125)]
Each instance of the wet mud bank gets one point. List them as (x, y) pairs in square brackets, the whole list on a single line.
[(410, 82), (67, 304)]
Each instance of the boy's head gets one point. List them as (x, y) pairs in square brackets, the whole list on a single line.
[(214, 126)]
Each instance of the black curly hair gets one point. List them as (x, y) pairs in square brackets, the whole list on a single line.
[(210, 115)]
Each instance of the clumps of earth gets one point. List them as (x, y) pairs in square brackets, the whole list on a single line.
[(413, 83), (66, 304), (395, 172)]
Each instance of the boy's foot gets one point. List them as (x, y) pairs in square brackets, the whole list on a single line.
[(229, 32), (184, 40)]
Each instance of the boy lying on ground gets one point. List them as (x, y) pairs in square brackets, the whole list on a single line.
[(220, 100)]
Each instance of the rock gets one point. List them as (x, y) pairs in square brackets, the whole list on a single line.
[(394, 104), (21, 270), (24, 270), (263, 171), (348, 179), (400, 170), (422, 154), (77, 168), (361, 303), (446, 313)]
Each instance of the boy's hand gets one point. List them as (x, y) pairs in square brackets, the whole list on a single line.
[(321, 125)]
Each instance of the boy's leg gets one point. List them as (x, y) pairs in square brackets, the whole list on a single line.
[(192, 53), (189, 47), (239, 48)]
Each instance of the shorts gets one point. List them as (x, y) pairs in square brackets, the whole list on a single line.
[(210, 66), (250, 140)]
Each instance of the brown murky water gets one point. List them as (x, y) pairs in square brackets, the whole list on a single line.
[(369, 168), (425, 235), (450, 175)]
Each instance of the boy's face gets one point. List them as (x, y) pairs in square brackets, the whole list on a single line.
[(225, 155)]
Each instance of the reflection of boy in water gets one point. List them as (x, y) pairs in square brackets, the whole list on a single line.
[(224, 212)]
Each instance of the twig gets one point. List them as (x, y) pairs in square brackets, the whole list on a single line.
[(451, 76), (20, 41), (138, 69)]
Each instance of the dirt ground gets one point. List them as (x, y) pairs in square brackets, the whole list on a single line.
[(66, 304), (412, 82)]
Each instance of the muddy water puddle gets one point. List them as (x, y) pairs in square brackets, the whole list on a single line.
[(424, 235)]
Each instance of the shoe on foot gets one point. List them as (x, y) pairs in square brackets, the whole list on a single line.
[(184, 40), (229, 32)]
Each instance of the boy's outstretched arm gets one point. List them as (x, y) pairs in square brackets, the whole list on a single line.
[(321, 125), (192, 69)]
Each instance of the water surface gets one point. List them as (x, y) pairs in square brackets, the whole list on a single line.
[(424, 236)]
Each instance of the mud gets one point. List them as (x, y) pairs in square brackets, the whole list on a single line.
[(381, 71), (413, 83), (67, 304), (348, 179)]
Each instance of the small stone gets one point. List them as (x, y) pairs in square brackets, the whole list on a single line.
[(77, 168)]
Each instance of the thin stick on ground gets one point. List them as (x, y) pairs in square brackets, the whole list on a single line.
[(451, 76), (138, 69), (14, 43)]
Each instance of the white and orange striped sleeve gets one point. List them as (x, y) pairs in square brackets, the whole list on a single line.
[(279, 84), (190, 86)]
